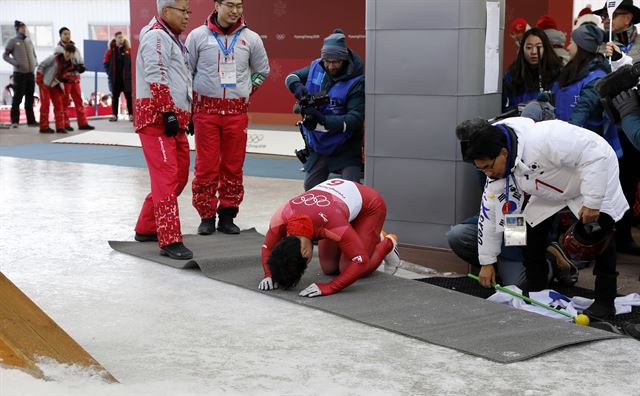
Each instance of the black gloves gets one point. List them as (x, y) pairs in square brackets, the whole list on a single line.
[(80, 68), (191, 130), (627, 103), (299, 90), (171, 125), (316, 114)]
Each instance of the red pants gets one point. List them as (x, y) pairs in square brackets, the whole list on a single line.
[(221, 144), (48, 95), (367, 226), (168, 162), (73, 89)]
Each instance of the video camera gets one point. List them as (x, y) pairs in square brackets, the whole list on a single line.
[(611, 85), (306, 102), (309, 122)]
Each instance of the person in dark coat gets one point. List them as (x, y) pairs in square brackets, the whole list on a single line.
[(335, 141), (521, 82), (117, 65)]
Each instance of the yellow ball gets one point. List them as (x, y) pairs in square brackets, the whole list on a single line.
[(582, 320)]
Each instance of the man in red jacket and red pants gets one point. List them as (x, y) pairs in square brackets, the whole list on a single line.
[(346, 219)]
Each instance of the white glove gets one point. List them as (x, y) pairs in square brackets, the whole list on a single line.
[(267, 284), (311, 291)]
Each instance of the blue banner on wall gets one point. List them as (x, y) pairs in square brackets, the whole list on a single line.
[(94, 54)]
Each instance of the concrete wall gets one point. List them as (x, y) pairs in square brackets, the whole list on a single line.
[(425, 73)]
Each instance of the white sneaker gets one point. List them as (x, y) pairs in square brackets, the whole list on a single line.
[(392, 260)]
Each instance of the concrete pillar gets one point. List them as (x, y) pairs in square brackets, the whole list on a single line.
[(425, 73)]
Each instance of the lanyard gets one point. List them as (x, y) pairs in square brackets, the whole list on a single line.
[(507, 169), (227, 51), (174, 37)]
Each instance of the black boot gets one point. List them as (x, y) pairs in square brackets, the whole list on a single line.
[(177, 251), (146, 237), (225, 224), (207, 226), (633, 330), (603, 307)]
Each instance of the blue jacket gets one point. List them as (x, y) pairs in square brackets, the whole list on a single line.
[(510, 99), (579, 104), (631, 127), (350, 153)]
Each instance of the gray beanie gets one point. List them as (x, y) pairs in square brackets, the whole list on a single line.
[(335, 46), (588, 37)]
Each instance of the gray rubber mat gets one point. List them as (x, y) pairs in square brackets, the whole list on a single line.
[(414, 309)]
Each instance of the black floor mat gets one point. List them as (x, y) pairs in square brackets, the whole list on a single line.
[(469, 286)]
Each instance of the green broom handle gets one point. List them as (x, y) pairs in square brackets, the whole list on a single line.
[(525, 298)]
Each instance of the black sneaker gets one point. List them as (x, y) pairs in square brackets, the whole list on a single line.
[(146, 237), (48, 130), (86, 128), (601, 310), (226, 225), (207, 226), (61, 130), (177, 251), (564, 270), (69, 128), (113, 119)]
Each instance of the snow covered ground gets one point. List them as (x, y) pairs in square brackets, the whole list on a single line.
[(162, 331)]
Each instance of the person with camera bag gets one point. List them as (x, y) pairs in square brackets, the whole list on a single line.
[(230, 64), (163, 114), (333, 131)]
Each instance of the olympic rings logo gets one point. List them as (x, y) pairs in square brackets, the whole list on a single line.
[(254, 138), (311, 200)]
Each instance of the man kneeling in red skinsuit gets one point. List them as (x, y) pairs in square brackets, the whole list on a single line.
[(346, 219)]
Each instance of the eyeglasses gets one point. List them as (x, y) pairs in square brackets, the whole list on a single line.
[(184, 11), (486, 168), (232, 6)]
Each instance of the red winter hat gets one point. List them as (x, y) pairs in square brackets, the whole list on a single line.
[(519, 25), (546, 22), (586, 10)]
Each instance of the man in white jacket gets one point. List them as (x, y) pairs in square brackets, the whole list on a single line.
[(557, 165), (229, 64), (163, 113)]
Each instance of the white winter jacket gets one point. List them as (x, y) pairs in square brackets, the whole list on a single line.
[(559, 165), (206, 55)]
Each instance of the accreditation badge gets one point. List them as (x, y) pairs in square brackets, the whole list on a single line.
[(515, 230), (228, 74)]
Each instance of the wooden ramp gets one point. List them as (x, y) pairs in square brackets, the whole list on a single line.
[(27, 334)]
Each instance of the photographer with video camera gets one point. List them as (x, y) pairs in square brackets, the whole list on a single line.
[(330, 93)]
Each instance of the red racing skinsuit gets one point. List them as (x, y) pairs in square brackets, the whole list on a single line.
[(163, 84), (220, 110), (346, 219)]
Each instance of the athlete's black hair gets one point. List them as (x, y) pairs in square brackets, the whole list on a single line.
[(286, 262)]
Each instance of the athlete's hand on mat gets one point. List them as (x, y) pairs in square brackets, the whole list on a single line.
[(267, 284), (306, 247), (487, 275), (311, 291), (588, 215)]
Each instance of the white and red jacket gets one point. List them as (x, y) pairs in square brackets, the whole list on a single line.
[(248, 54), (558, 164), (163, 76)]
